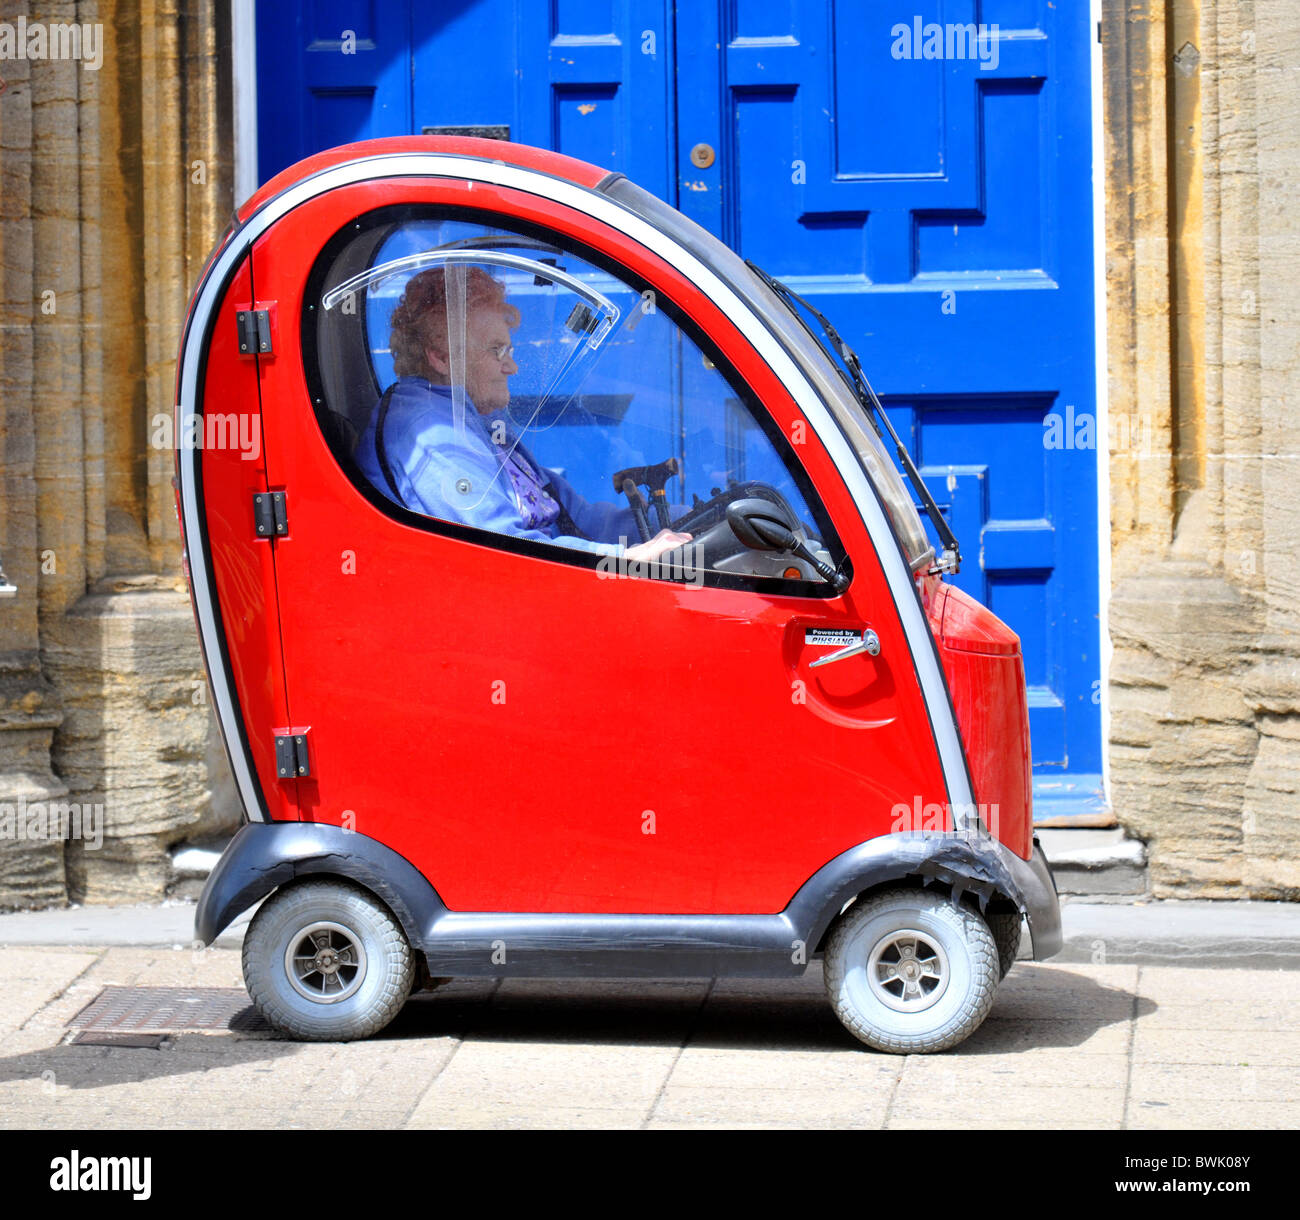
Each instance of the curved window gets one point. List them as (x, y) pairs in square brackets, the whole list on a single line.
[(484, 377), (824, 370)]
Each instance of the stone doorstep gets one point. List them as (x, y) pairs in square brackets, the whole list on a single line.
[(195, 863), (191, 864), (1101, 865)]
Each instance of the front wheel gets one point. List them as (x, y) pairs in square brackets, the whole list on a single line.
[(911, 972), (1005, 926), (325, 961)]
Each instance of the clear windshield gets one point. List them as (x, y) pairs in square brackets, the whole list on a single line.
[(820, 367), (502, 332)]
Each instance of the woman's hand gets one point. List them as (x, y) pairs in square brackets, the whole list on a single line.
[(664, 540)]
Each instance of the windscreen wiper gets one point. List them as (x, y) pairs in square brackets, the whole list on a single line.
[(861, 387)]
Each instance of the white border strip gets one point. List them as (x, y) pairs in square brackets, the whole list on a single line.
[(605, 210), (243, 41), (1102, 378)]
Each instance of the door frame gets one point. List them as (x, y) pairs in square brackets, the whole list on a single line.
[(1102, 382), (243, 71)]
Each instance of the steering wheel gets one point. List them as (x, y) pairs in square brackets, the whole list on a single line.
[(712, 535), (710, 512)]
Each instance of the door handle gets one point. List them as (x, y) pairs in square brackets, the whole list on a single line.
[(869, 643)]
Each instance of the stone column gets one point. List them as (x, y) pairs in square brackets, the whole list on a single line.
[(122, 185), (1199, 724), (1271, 821), (31, 870)]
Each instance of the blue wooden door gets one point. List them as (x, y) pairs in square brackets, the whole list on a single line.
[(929, 189), (589, 77), (329, 72), (931, 193)]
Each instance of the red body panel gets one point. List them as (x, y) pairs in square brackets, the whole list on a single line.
[(509, 723), (986, 678), (242, 563)]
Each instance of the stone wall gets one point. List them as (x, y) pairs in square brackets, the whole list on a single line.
[(1202, 149), (114, 184)]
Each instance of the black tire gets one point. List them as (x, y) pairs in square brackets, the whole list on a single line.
[(1005, 927), (911, 1015), (356, 981)]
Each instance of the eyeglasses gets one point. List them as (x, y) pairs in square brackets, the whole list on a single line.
[(502, 351)]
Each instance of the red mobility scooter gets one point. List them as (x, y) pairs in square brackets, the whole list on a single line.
[(566, 615)]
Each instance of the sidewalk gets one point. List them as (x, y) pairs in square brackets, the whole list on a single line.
[(1202, 1028), (1202, 934)]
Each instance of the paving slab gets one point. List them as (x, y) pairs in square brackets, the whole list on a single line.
[(527, 1118), (539, 1074), (167, 924), (990, 1103), (1197, 1115), (1229, 934), (1260, 1047), (842, 1108), (1052, 1066), (853, 1069), (1014, 1035), (33, 978), (1216, 1085)]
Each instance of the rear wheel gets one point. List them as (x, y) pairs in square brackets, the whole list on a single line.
[(911, 972), (325, 961)]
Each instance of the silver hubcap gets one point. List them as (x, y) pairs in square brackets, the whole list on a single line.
[(908, 970), (325, 962)]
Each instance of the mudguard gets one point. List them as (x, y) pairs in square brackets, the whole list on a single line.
[(264, 856)]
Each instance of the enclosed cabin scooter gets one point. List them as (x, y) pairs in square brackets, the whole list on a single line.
[(566, 615)]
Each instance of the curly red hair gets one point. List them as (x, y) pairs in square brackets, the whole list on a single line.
[(420, 319)]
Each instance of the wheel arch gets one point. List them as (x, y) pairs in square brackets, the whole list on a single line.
[(973, 869), (267, 856), (997, 904)]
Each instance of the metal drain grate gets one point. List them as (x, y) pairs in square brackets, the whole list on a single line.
[(152, 1042), (157, 1010)]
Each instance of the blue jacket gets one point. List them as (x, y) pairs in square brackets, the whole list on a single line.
[(459, 476)]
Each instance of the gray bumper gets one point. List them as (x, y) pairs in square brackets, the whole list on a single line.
[(1041, 904)]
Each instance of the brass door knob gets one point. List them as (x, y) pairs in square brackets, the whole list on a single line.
[(702, 156)]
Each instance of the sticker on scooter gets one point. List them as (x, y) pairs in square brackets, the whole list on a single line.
[(827, 637)]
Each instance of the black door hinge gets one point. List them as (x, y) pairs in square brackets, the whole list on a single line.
[(270, 514), (292, 758), (254, 327)]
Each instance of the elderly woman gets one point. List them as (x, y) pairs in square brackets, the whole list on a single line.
[(469, 466)]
